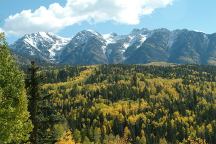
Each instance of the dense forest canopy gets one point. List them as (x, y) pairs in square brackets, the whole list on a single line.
[(128, 104)]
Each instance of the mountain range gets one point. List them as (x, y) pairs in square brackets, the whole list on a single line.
[(138, 47)]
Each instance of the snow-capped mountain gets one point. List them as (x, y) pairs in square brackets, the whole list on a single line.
[(86, 47), (41, 45), (117, 45), (90, 47), (139, 46)]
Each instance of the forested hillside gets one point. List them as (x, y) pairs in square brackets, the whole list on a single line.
[(127, 104)]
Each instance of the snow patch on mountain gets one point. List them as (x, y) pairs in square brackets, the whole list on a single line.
[(93, 32), (29, 41), (57, 47), (41, 43), (109, 38), (143, 38), (104, 48), (46, 36)]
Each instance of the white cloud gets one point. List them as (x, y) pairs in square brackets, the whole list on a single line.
[(1, 30), (57, 17)]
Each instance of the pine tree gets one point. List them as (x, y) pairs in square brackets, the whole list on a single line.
[(14, 117), (33, 90)]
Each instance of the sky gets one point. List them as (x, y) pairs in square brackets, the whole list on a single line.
[(67, 17)]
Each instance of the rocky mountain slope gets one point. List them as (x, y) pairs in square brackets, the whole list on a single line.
[(42, 47), (140, 46)]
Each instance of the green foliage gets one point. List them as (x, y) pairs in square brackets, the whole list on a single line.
[(59, 130), (14, 117), (77, 135)]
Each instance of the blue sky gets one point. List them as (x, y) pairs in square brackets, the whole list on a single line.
[(85, 14)]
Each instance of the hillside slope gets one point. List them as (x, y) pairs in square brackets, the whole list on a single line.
[(131, 104)]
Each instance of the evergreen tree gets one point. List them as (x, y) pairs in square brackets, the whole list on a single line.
[(14, 117), (32, 84)]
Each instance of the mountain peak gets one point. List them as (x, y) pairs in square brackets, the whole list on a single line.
[(85, 35), (92, 31), (37, 34), (40, 44), (89, 32)]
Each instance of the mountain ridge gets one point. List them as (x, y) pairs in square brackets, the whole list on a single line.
[(140, 46)]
